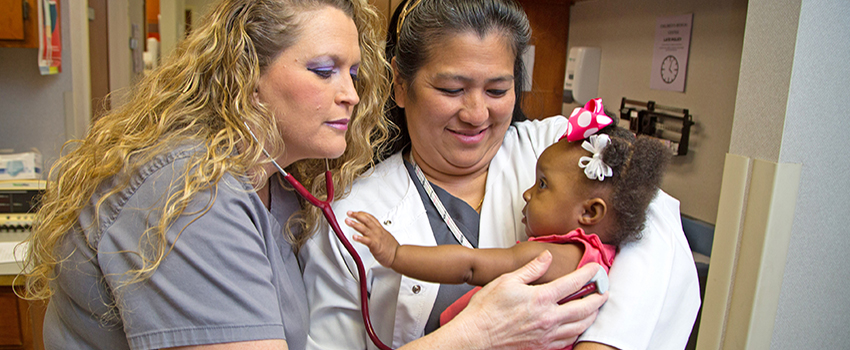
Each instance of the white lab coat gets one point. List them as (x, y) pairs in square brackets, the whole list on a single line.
[(400, 306)]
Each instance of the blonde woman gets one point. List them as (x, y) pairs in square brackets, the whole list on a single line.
[(168, 226)]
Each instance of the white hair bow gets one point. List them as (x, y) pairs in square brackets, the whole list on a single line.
[(594, 167)]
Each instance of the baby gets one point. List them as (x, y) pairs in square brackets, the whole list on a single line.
[(591, 195)]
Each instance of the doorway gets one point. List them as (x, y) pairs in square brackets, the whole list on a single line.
[(99, 57)]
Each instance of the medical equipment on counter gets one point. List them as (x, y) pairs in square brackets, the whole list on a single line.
[(599, 282), (18, 203)]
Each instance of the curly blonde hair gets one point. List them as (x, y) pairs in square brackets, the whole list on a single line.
[(203, 93)]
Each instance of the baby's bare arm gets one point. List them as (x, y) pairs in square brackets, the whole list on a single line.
[(458, 264), (443, 264), (454, 263), (488, 264)]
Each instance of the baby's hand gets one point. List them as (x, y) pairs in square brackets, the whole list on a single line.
[(381, 243)]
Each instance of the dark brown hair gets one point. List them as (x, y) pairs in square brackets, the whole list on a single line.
[(430, 22), (638, 165)]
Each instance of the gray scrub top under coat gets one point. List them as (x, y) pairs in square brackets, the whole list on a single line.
[(467, 220), (230, 277)]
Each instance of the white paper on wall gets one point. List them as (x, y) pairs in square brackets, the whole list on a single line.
[(670, 56)]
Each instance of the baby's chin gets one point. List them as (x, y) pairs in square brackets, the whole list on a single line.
[(528, 232)]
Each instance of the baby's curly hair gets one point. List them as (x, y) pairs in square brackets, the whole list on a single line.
[(638, 164)]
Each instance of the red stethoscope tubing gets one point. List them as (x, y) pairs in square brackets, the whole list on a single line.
[(582, 292), (325, 206)]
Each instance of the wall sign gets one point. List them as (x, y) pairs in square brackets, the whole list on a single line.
[(670, 56)]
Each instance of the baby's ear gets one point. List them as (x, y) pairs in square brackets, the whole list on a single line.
[(594, 210)]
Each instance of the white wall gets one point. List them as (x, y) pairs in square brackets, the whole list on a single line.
[(625, 32), (814, 307), (32, 106), (199, 9), (172, 25), (123, 15), (790, 113)]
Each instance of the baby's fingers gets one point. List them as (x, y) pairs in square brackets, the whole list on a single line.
[(365, 218), (357, 225), (364, 240)]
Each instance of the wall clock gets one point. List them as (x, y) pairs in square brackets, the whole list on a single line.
[(669, 69)]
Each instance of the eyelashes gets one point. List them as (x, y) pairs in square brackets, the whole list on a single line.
[(353, 73), (326, 73), (450, 91), (491, 92), (323, 72)]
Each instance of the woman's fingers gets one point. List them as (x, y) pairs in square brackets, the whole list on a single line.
[(566, 285), (578, 315), (532, 270), (516, 315), (558, 325), (575, 316)]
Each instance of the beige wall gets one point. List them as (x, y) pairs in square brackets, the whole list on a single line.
[(625, 32), (760, 122), (199, 9)]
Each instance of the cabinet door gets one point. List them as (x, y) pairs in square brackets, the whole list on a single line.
[(11, 20), (10, 319), (550, 21), (18, 23), (20, 320)]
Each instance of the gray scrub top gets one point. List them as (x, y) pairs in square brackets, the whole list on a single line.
[(467, 220), (231, 276)]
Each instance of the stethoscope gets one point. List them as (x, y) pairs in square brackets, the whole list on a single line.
[(599, 282), (325, 206)]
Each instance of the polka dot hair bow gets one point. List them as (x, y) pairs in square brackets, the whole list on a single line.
[(594, 167), (587, 120)]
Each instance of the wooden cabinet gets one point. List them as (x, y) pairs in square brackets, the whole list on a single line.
[(550, 22), (18, 23), (20, 320)]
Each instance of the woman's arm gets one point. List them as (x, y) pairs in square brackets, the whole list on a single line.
[(458, 264), (587, 345), (510, 314), (223, 248), (272, 344)]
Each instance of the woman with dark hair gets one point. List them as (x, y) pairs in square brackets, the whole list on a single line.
[(456, 174)]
